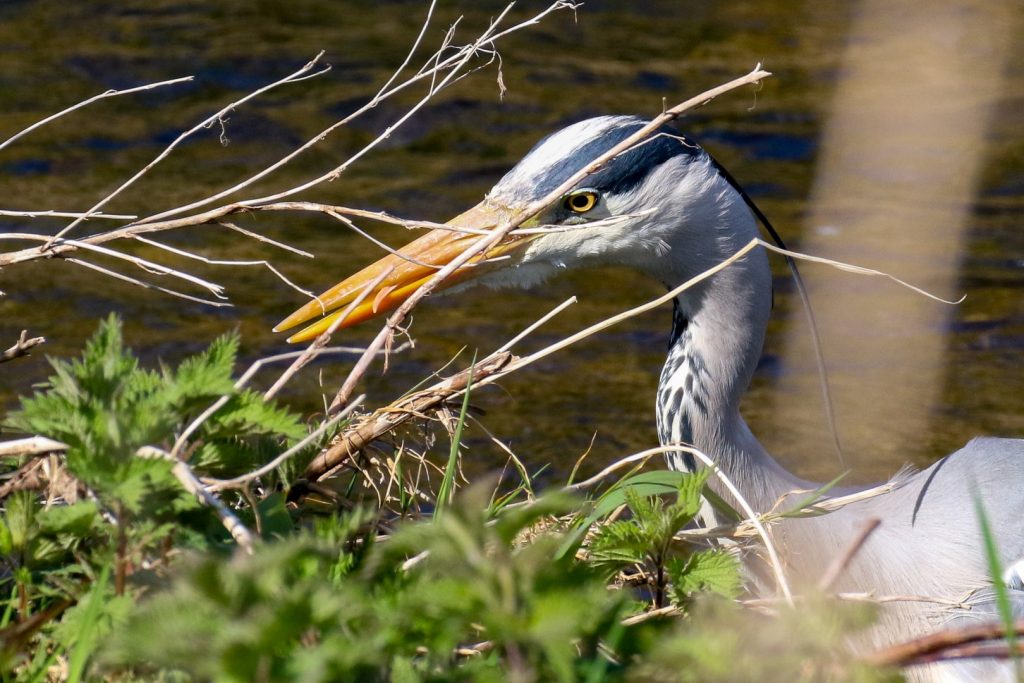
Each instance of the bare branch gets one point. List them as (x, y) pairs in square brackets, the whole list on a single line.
[(205, 123), (49, 213), (85, 103), (243, 537), (384, 420), (30, 446), (21, 347), (238, 482), (947, 644)]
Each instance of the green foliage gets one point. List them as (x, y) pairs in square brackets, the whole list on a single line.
[(73, 562), (647, 539), (127, 578), (320, 607)]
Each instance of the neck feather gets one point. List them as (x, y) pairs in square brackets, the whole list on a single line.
[(717, 334)]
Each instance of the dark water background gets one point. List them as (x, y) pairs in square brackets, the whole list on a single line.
[(611, 57)]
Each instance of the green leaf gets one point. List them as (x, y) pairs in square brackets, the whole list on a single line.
[(715, 571), (447, 488), (999, 585)]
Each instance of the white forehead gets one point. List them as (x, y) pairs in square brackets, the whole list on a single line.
[(554, 150)]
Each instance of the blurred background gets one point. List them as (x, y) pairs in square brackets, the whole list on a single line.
[(890, 136)]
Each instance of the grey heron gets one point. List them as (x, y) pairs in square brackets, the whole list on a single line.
[(680, 214)]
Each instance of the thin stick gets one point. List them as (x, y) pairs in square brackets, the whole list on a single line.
[(240, 383), (384, 420), (144, 284), (919, 649), (144, 264), (243, 537), (454, 62), (85, 103), (240, 481), (773, 557), (30, 446), (205, 123), (324, 337), (225, 262), (49, 213), (529, 330)]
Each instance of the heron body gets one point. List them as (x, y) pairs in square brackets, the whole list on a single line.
[(666, 209)]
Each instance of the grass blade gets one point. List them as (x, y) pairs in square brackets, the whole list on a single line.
[(1002, 596), (447, 489)]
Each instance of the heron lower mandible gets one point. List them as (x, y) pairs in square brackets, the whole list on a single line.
[(680, 214)]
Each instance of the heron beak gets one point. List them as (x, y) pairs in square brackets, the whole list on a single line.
[(402, 273)]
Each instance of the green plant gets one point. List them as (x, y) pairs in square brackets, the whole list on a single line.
[(121, 512), (120, 575), (646, 540)]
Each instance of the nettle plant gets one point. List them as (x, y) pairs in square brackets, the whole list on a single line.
[(117, 512), (116, 572)]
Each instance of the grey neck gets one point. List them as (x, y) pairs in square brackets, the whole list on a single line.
[(717, 333)]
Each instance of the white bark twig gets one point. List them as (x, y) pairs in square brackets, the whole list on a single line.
[(144, 264), (50, 213), (243, 537), (21, 347), (144, 284), (205, 123), (30, 446), (453, 63), (225, 262), (236, 482), (85, 103)]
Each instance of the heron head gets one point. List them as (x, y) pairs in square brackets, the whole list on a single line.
[(635, 209)]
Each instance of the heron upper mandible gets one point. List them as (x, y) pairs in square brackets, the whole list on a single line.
[(681, 215)]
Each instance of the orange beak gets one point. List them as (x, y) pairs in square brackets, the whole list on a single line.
[(407, 270)]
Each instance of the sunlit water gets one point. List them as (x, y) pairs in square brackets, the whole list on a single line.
[(606, 59)]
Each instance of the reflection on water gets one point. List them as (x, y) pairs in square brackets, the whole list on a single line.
[(610, 59)]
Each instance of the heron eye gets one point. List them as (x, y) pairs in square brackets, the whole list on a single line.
[(581, 202)]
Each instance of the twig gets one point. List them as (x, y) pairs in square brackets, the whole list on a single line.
[(225, 262), (205, 123), (752, 516), (30, 446), (144, 264), (241, 481), (94, 98), (384, 420), (454, 63), (179, 443), (668, 611), (314, 349), (540, 321), (188, 479), (49, 213), (144, 284), (21, 347), (931, 647)]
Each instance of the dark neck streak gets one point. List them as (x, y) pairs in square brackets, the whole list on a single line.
[(698, 402)]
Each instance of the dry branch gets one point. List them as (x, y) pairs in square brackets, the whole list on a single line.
[(22, 347), (188, 479), (95, 98), (384, 420), (948, 644)]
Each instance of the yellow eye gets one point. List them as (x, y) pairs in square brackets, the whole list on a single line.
[(581, 202)]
